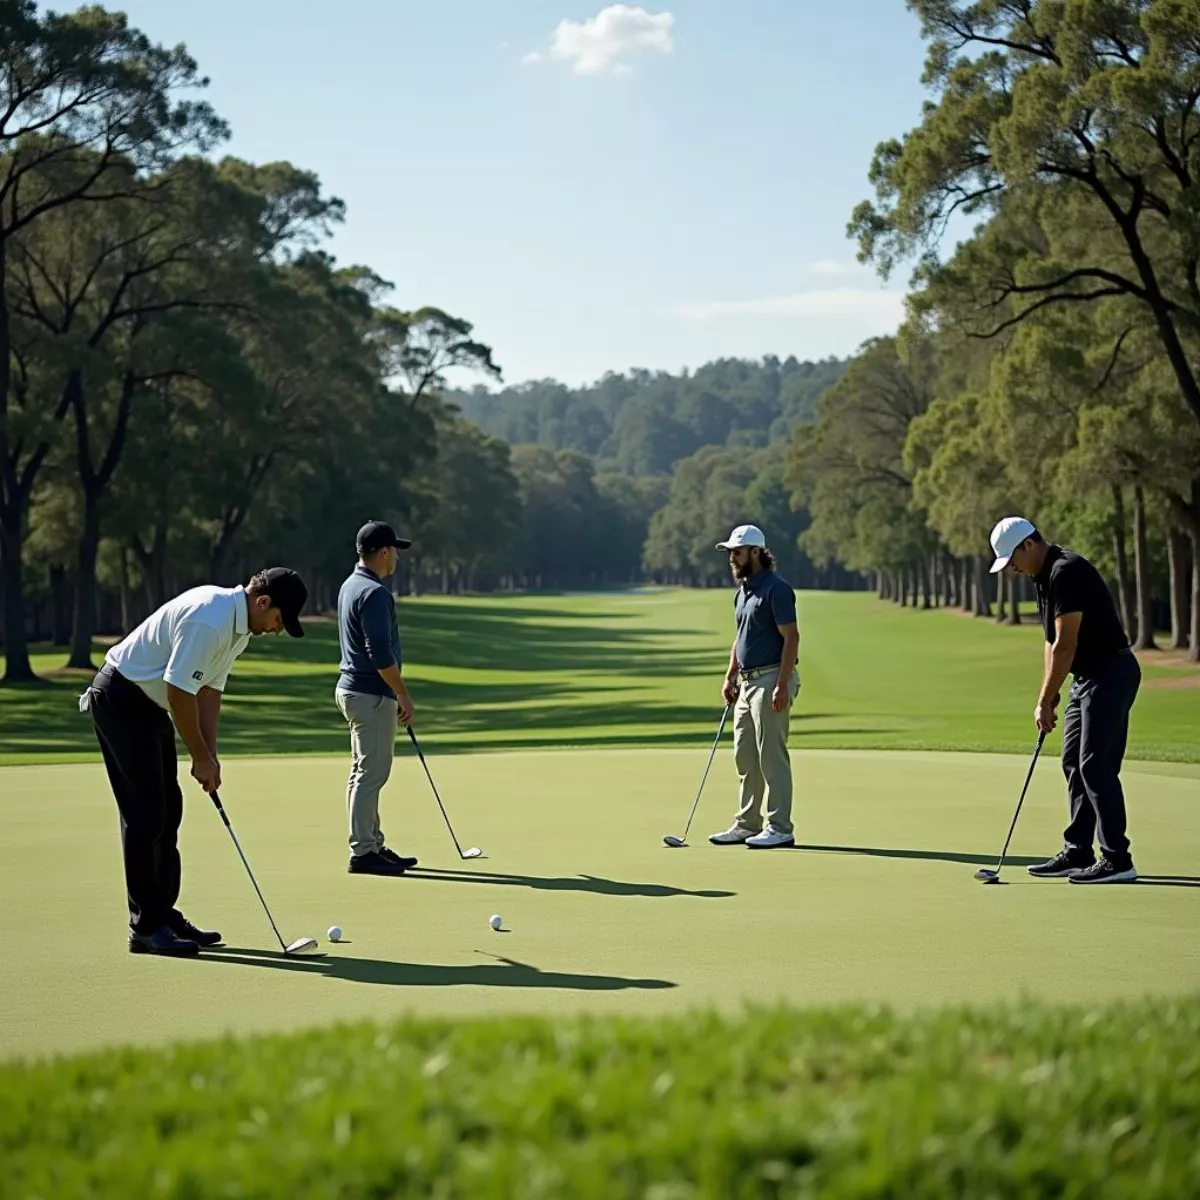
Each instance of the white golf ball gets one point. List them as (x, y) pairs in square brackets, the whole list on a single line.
[(335, 933), (496, 921)]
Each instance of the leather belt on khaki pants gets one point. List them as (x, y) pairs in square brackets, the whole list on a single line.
[(755, 672)]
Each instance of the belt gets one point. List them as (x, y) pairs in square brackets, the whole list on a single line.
[(755, 672)]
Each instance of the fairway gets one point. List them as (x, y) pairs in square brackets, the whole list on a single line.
[(601, 917), (640, 668)]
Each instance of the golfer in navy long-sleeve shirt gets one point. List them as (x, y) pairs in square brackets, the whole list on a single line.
[(371, 693)]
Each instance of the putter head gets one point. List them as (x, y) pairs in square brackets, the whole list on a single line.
[(473, 852), (302, 946), (986, 876), (673, 841)]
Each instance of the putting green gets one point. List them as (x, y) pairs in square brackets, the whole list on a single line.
[(602, 917)]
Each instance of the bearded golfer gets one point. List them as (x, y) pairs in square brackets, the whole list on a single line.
[(174, 667), (761, 684), (1084, 638)]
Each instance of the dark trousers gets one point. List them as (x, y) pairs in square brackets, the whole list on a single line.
[(1095, 730), (137, 740)]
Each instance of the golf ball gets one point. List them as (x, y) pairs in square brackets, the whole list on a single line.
[(496, 921), (335, 933)]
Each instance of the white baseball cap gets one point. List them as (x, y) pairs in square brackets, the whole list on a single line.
[(1008, 534), (743, 535)]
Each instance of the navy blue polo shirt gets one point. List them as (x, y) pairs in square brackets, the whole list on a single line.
[(367, 633), (761, 604)]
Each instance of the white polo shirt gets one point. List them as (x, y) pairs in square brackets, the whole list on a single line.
[(191, 642)]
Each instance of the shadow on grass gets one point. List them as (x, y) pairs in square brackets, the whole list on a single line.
[(1170, 880), (987, 860), (505, 972), (565, 883), (568, 676)]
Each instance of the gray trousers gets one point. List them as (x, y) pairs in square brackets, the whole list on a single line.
[(372, 721), (760, 753)]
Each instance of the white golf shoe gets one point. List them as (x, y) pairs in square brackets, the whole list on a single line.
[(770, 839), (735, 835)]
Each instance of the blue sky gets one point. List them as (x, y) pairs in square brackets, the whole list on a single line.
[(649, 188)]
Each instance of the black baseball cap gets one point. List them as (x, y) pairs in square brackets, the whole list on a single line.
[(288, 594), (378, 535)]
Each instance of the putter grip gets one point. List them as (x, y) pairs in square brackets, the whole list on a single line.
[(220, 808)]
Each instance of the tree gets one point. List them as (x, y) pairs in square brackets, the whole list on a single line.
[(1080, 115), (420, 347), (79, 94), (848, 468)]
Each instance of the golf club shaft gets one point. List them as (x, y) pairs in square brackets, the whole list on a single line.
[(224, 817), (1033, 763), (445, 817), (704, 778)]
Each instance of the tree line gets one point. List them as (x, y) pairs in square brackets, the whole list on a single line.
[(190, 385), (1050, 365)]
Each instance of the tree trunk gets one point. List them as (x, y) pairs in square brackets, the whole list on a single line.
[(903, 588), (948, 580), (83, 621), (126, 603), (60, 606), (879, 586), (153, 565), (1194, 631), (1014, 597), (926, 569), (17, 667), (1124, 595), (1001, 598), (1141, 554), (983, 606), (1177, 559), (964, 585)]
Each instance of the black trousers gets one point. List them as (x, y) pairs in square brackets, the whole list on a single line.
[(137, 739), (1095, 730)]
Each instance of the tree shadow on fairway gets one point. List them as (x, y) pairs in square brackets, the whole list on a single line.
[(987, 860), (505, 972), (563, 883)]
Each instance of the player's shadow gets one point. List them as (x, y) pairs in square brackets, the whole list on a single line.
[(595, 884), (1170, 880), (505, 972), (986, 860)]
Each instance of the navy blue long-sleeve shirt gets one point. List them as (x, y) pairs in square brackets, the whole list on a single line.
[(367, 631)]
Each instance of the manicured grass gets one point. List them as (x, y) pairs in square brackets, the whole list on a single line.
[(640, 668), (1023, 1101), (881, 906)]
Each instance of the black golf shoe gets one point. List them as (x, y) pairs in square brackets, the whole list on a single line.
[(1104, 870), (406, 862), (162, 941), (181, 927), (1064, 863), (374, 863)]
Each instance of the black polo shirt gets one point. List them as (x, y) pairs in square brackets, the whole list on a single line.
[(1068, 583), (760, 605)]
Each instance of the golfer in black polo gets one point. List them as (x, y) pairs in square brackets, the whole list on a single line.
[(1085, 638)]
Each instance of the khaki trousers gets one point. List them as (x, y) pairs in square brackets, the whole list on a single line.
[(760, 753), (372, 721)]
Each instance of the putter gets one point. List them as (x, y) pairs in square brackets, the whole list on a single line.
[(474, 851), (676, 842), (300, 945), (994, 876)]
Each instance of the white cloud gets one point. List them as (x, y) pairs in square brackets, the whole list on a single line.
[(880, 309), (828, 266), (596, 46), (532, 57)]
